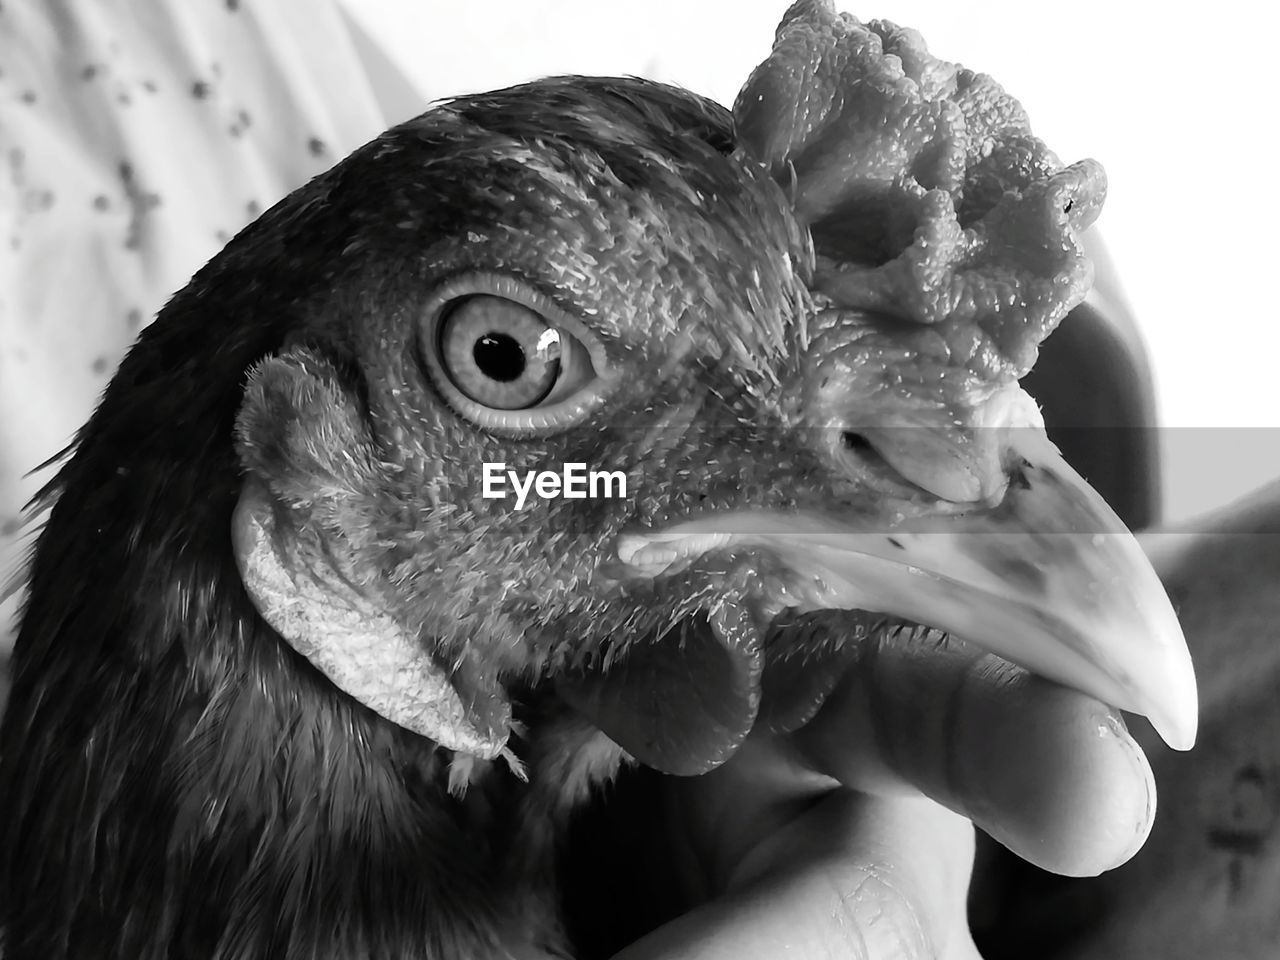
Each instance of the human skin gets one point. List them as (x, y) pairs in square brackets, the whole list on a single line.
[(854, 837)]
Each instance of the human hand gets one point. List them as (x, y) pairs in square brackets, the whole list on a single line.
[(852, 837), (1208, 882)]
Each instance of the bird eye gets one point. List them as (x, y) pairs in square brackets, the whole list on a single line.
[(501, 354), (508, 358)]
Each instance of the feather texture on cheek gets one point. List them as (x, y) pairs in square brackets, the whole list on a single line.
[(312, 556)]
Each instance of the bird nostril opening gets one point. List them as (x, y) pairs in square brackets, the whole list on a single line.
[(852, 440), (862, 462)]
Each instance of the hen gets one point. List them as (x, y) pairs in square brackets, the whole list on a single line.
[(289, 684)]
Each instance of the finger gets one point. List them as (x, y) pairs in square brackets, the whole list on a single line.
[(1047, 771), (852, 876)]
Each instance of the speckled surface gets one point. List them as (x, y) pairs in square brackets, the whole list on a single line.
[(136, 137)]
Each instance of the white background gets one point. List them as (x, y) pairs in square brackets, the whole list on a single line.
[(1179, 108)]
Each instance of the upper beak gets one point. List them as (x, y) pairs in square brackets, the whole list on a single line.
[(1048, 577)]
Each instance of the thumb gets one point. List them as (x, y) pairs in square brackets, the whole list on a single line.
[(848, 875)]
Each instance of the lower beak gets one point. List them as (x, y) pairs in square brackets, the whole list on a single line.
[(1049, 578)]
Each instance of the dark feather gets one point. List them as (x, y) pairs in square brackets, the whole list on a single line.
[(174, 780)]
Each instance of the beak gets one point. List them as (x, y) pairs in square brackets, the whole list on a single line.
[(1049, 578)]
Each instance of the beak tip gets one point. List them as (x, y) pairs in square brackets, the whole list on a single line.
[(1176, 737), (1174, 713), (1177, 727)]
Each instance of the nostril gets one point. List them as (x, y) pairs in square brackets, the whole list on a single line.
[(855, 441), (862, 462)]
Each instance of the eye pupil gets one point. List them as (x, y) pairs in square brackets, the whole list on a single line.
[(502, 354), (499, 356)]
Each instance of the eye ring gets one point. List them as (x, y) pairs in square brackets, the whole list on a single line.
[(522, 411)]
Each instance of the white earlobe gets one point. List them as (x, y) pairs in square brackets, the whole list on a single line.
[(344, 634)]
